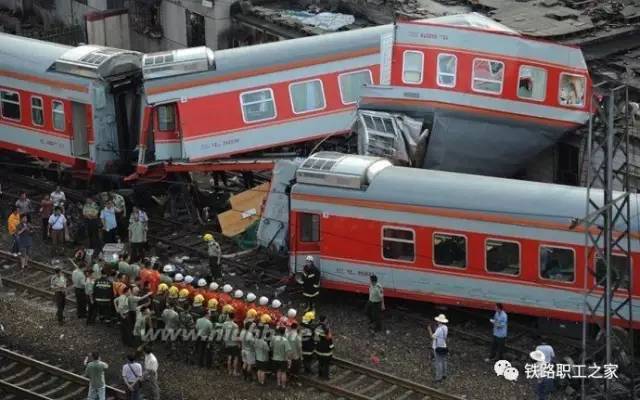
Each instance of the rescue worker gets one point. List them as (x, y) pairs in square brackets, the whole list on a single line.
[(310, 283), (212, 293), (281, 349), (251, 316), (173, 295), (262, 353), (103, 296), (59, 286), (165, 276), (215, 255), (289, 319), (308, 342), (212, 307), (274, 311), (295, 341), (178, 281), (197, 310), (159, 302), (248, 350), (225, 297), (239, 307), (186, 325), (154, 277), (88, 289), (251, 300), (183, 299), (202, 287), (324, 347), (122, 309), (188, 280), (263, 307), (204, 330), (77, 277)]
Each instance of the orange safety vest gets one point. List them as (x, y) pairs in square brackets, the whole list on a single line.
[(239, 311)]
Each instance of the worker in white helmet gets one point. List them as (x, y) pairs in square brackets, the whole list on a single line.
[(310, 283), (289, 319), (239, 307), (251, 300), (188, 280), (263, 306), (225, 297), (274, 311), (167, 273)]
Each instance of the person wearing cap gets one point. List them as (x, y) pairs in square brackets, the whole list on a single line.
[(187, 324), (215, 255), (171, 321), (178, 281), (499, 322), (544, 385), (204, 330), (439, 346), (324, 347), (251, 316), (103, 296), (248, 351), (188, 280), (59, 286), (225, 296), (295, 341), (137, 237), (159, 303), (198, 308), (281, 353), (308, 343), (183, 300), (310, 283), (165, 276), (375, 305)]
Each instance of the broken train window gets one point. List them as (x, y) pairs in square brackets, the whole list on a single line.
[(532, 83), (447, 68), (572, 89), (380, 132), (351, 84), (488, 76)]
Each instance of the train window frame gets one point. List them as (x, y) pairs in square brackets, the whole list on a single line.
[(575, 263), (486, 258), (439, 72), (53, 115), (317, 224), (595, 270), (466, 250), (18, 103), (175, 117), (40, 108), (412, 241), (340, 76), (584, 100), (474, 78), (324, 97), (546, 80), (272, 99), (419, 70)]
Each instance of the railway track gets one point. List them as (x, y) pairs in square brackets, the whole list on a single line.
[(356, 382), (25, 378), (35, 278)]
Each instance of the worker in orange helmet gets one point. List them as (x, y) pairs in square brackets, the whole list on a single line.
[(225, 296), (239, 307)]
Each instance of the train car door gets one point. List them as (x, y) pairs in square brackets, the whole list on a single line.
[(307, 242), (80, 146)]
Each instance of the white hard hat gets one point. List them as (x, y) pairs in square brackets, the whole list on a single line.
[(251, 297), (227, 288), (276, 304), (292, 313), (167, 268), (202, 282), (188, 279), (178, 277), (309, 258), (238, 294), (263, 301), (213, 286)]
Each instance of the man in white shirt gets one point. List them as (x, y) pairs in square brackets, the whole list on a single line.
[(439, 345), (152, 390), (58, 197), (132, 376), (57, 227)]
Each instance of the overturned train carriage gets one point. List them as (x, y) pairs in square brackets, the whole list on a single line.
[(441, 237)]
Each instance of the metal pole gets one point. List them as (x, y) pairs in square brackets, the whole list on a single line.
[(608, 226)]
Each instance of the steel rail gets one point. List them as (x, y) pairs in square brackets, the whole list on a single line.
[(400, 382), (53, 371), (22, 393)]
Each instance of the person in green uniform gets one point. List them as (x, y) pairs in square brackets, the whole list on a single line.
[(94, 370), (281, 353)]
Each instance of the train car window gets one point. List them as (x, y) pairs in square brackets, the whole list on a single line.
[(619, 271), (167, 117), (447, 70), (412, 66), (37, 111), (307, 96), (10, 104), (557, 264), (449, 250), (532, 83), (58, 115), (309, 227), (351, 84), (398, 244), (572, 88), (258, 105), (502, 257), (488, 76)]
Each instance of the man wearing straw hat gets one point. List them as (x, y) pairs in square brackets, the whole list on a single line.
[(544, 385), (440, 350)]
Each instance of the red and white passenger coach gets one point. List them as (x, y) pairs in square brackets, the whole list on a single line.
[(444, 237)]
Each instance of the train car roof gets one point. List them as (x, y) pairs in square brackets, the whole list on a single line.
[(518, 199), (27, 55), (272, 54)]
